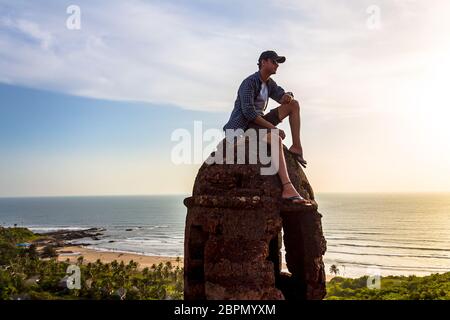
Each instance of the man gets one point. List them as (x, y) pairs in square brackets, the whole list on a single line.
[(248, 113)]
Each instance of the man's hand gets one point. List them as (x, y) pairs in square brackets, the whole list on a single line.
[(282, 134), (287, 98)]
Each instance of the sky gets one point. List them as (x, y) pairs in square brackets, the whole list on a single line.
[(91, 110)]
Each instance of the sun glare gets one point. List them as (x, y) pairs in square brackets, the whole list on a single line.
[(434, 97)]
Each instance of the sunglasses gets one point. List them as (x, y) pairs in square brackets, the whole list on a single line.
[(274, 62)]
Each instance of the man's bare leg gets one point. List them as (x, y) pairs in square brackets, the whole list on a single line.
[(288, 188), (292, 110)]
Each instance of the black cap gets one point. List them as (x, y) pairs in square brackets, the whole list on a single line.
[(271, 55)]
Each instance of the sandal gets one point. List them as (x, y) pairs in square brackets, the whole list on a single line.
[(302, 201), (293, 198), (299, 158)]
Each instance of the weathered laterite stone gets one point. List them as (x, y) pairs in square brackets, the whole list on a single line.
[(233, 236)]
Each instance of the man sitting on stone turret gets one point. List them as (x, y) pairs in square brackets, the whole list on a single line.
[(248, 113)]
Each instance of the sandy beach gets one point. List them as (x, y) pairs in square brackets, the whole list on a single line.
[(91, 255)]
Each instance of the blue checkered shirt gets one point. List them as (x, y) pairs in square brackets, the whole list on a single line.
[(245, 109)]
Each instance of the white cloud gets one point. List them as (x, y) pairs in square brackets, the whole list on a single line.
[(165, 53), (30, 29)]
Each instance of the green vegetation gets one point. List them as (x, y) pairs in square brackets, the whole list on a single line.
[(433, 287), (16, 235), (9, 238), (25, 275), (49, 252), (334, 270)]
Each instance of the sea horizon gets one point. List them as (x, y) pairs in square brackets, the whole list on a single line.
[(385, 233), (189, 194)]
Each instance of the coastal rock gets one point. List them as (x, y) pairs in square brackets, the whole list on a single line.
[(233, 236), (65, 235)]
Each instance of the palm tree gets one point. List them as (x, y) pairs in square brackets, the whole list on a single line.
[(334, 269)]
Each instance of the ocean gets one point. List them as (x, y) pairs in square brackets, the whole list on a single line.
[(387, 234)]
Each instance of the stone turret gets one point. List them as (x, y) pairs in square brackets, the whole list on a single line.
[(233, 236)]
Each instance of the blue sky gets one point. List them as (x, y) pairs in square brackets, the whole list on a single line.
[(43, 121), (91, 111), (52, 141)]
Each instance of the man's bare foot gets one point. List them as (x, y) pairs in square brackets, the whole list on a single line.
[(290, 193), (298, 150)]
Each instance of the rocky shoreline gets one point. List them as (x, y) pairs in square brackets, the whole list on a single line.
[(61, 238)]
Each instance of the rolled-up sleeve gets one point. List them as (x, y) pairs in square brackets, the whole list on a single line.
[(276, 92), (247, 99)]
